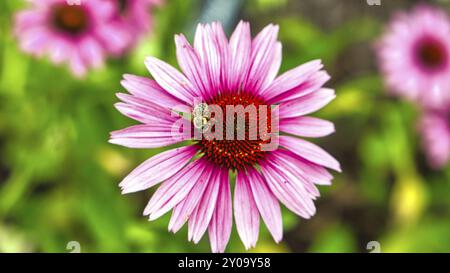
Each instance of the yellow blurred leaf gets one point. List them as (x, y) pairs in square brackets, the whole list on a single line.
[(113, 162), (409, 200)]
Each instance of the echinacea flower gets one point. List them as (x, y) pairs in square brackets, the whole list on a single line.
[(435, 129), (414, 55), (223, 74), (134, 17), (81, 35)]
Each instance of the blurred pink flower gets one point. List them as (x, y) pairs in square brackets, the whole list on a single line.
[(435, 129), (80, 35), (239, 71), (414, 55), (134, 17)]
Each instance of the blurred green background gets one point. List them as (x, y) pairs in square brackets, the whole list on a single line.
[(59, 176)]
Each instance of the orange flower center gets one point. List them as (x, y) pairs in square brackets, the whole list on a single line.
[(71, 19), (239, 143), (123, 5), (432, 54)]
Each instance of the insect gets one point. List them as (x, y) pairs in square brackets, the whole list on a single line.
[(201, 117)]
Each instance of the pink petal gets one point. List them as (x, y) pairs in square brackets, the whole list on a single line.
[(156, 169), (149, 90), (310, 152), (143, 110), (274, 67), (310, 171), (58, 50), (435, 129), (306, 127), (306, 104), (171, 80), (191, 65), (312, 84), (289, 167), (184, 209), (240, 50), (291, 79), (246, 212), (201, 217), (211, 50), (263, 58), (221, 42), (36, 41), (92, 52), (115, 38), (286, 191), (267, 204), (139, 113), (77, 64), (102, 9), (148, 136), (27, 19), (219, 229), (175, 189)]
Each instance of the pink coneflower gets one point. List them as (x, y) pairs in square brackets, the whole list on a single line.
[(221, 73), (414, 55), (435, 129), (80, 35), (134, 17)]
